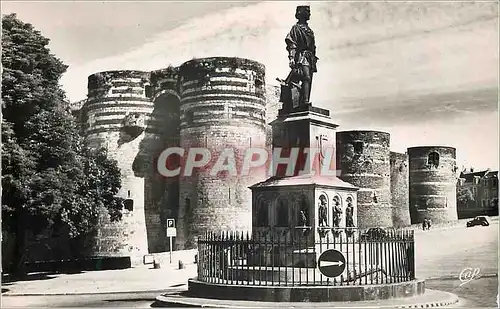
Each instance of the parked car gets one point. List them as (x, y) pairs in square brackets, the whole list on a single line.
[(480, 220), (375, 233)]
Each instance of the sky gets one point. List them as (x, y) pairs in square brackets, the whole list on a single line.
[(426, 72)]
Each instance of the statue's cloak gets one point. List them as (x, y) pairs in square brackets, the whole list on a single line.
[(301, 40)]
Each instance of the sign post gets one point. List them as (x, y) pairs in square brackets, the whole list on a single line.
[(331, 263), (171, 232)]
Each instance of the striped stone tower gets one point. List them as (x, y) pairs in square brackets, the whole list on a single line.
[(363, 159), (433, 183), (116, 115), (222, 106)]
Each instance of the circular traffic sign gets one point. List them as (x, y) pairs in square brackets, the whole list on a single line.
[(331, 263)]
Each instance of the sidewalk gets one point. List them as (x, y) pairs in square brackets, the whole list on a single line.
[(141, 279)]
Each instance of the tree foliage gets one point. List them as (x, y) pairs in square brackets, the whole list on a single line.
[(50, 179), (464, 196)]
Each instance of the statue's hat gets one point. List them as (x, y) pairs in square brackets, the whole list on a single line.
[(301, 9)]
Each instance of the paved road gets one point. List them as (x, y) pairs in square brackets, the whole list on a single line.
[(446, 254), (130, 300), (440, 253)]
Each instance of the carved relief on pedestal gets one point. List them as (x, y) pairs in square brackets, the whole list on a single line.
[(349, 216), (323, 215)]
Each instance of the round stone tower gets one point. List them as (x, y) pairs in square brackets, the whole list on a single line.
[(399, 189), (363, 161), (116, 115), (223, 106), (433, 183)]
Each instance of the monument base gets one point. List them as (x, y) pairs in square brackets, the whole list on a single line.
[(325, 293)]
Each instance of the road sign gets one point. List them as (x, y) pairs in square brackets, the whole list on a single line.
[(171, 232), (331, 263)]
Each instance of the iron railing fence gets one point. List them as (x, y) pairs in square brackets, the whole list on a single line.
[(288, 257)]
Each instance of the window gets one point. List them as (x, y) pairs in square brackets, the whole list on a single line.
[(358, 147), (282, 214), (375, 199), (484, 203), (148, 90), (433, 159), (128, 204)]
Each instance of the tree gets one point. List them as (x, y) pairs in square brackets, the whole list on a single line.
[(51, 181), (464, 196)]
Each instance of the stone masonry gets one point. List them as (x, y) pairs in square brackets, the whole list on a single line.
[(363, 159), (433, 180), (223, 106), (113, 98), (224, 102), (400, 189)]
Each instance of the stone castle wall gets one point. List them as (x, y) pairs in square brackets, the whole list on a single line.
[(432, 181), (161, 193), (363, 160), (399, 189), (214, 103), (223, 105), (113, 98)]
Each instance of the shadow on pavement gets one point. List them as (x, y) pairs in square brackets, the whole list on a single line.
[(6, 279), (130, 299), (158, 304)]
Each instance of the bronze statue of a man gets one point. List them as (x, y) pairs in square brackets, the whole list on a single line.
[(301, 49)]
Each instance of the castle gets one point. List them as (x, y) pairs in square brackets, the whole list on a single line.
[(220, 102)]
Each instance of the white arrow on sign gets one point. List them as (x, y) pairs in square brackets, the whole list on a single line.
[(329, 263)]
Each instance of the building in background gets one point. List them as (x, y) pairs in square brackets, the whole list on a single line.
[(477, 193)]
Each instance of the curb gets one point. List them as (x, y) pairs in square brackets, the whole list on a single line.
[(453, 300), (450, 300), (457, 277), (7, 294)]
